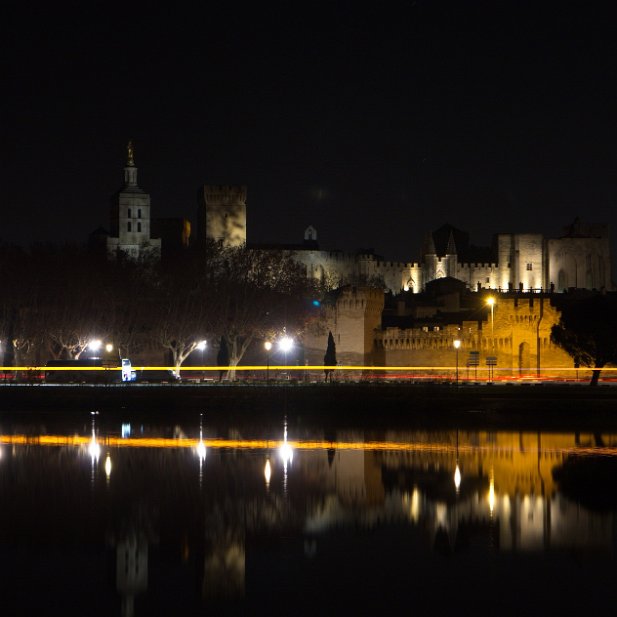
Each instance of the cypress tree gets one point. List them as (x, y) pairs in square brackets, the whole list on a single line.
[(329, 358), (222, 357)]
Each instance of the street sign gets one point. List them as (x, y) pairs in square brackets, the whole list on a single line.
[(474, 358)]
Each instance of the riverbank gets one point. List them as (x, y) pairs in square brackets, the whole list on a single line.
[(538, 406)]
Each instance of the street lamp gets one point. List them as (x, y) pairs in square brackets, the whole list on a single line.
[(201, 346), (285, 345), (457, 344), (94, 346), (268, 348), (491, 302), (109, 348)]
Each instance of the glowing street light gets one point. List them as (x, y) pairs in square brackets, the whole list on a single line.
[(201, 346), (95, 345), (285, 345), (457, 345), (490, 301), (109, 348), (268, 348)]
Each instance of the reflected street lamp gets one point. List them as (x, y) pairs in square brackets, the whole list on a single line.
[(457, 478), (457, 344)]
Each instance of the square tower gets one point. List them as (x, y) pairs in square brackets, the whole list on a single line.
[(222, 213)]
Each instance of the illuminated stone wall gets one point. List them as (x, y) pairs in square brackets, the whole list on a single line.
[(353, 321), (580, 263), (520, 331), (524, 262)]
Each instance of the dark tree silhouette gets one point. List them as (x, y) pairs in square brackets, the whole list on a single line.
[(252, 294), (587, 330), (329, 358), (222, 357)]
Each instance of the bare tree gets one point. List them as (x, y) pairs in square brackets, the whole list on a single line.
[(176, 307), (252, 293)]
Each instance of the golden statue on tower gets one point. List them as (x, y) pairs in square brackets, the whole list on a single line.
[(130, 158)]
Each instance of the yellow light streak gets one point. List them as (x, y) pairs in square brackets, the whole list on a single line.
[(267, 444)]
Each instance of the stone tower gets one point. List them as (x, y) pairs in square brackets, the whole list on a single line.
[(222, 214), (130, 217)]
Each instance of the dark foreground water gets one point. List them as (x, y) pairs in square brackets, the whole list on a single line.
[(102, 516)]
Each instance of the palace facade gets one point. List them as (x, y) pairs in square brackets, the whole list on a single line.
[(387, 313)]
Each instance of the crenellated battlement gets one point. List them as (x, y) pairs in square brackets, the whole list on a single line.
[(225, 195), (470, 266), (396, 265)]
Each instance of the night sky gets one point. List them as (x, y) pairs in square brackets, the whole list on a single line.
[(375, 125)]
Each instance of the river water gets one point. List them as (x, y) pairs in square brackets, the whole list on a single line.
[(116, 516)]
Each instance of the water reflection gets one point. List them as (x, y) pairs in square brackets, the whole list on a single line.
[(353, 500)]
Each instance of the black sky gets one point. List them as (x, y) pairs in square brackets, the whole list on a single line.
[(375, 124)]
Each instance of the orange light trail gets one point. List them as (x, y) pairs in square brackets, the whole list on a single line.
[(267, 444)]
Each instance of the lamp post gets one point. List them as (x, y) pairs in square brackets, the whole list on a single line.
[(202, 346), (268, 348), (457, 344), (491, 302), (285, 345), (94, 346)]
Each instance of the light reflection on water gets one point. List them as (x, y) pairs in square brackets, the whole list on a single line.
[(223, 514)]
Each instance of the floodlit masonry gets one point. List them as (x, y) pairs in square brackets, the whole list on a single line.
[(579, 259), (517, 335)]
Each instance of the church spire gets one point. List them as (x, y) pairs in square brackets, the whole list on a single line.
[(130, 171), (130, 154)]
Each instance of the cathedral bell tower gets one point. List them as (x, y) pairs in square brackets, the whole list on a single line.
[(130, 217)]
